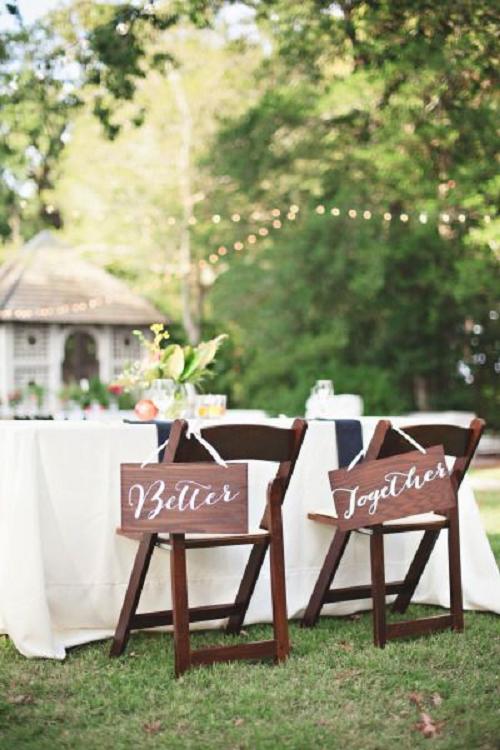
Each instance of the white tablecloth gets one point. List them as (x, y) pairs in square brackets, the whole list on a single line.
[(63, 571)]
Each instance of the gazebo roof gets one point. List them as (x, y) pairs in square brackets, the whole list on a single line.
[(48, 282)]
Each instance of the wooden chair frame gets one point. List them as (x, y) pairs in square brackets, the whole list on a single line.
[(234, 443), (458, 442)]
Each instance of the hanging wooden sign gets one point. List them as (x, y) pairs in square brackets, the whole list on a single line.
[(391, 488), (182, 498)]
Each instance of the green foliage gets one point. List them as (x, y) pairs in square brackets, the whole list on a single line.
[(388, 108), (96, 392)]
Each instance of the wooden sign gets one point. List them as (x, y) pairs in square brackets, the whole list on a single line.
[(182, 498), (391, 488)]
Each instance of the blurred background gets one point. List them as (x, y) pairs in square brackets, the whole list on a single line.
[(316, 179)]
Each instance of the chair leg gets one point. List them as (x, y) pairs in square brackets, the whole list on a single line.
[(278, 584), (378, 587), (325, 578), (415, 571), (180, 613), (456, 602), (134, 589), (247, 587)]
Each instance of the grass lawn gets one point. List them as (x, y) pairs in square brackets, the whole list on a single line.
[(336, 691)]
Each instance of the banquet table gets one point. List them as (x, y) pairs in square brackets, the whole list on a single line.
[(64, 571)]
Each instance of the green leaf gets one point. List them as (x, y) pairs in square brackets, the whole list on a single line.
[(172, 365)]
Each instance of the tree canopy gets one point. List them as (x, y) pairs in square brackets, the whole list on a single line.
[(346, 155)]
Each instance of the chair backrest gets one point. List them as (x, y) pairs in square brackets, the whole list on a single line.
[(241, 442), (459, 442)]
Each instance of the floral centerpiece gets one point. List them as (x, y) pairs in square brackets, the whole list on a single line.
[(168, 373)]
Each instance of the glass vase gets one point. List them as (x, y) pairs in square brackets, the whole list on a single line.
[(170, 398)]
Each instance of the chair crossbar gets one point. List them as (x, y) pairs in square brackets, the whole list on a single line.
[(196, 614), (360, 592), (422, 626), (252, 650), (402, 528)]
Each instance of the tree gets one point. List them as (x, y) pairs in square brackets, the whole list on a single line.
[(387, 108)]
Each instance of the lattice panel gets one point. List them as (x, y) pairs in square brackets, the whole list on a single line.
[(126, 346), (24, 375), (31, 342)]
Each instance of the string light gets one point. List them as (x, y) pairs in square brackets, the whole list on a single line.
[(26, 313), (222, 250), (171, 221), (320, 209)]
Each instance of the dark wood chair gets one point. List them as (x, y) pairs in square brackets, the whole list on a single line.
[(461, 443), (233, 443)]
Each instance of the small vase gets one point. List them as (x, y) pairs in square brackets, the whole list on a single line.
[(170, 398)]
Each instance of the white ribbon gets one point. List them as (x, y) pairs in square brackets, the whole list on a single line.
[(194, 430), (409, 439), (356, 458), (401, 432), (154, 454)]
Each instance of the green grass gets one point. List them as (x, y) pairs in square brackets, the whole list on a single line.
[(336, 691)]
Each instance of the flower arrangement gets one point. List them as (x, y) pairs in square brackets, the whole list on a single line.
[(182, 364)]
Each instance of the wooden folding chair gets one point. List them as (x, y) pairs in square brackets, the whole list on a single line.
[(461, 443), (233, 443)]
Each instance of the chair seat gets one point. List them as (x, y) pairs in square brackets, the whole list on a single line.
[(328, 516), (207, 540)]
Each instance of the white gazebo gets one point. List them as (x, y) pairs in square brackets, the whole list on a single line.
[(63, 319)]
